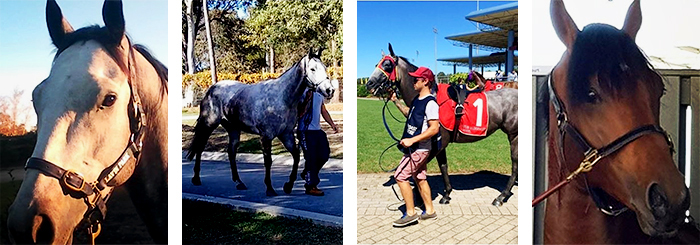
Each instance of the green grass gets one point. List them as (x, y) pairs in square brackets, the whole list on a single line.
[(491, 153), (209, 223)]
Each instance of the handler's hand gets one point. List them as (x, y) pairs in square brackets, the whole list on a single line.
[(406, 142), (393, 96), (335, 128)]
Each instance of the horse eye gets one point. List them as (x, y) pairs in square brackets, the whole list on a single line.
[(313, 69), (593, 95), (109, 100)]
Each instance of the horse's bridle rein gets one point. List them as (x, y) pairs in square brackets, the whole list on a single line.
[(91, 192), (591, 154)]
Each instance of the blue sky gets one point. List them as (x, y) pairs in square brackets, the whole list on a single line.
[(26, 50), (408, 26)]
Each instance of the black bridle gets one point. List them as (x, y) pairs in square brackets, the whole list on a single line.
[(591, 154), (91, 192)]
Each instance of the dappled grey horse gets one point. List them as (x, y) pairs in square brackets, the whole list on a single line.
[(502, 109), (268, 109)]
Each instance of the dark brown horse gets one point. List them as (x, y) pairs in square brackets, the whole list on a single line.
[(502, 109), (604, 94)]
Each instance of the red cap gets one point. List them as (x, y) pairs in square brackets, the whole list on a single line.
[(423, 72)]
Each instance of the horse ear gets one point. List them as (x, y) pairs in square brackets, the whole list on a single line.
[(633, 21), (383, 54), (563, 24), (311, 52), (391, 51), (319, 52), (113, 16), (57, 24)]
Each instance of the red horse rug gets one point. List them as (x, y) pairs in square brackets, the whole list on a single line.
[(475, 120)]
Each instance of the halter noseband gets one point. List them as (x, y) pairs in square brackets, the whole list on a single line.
[(591, 155), (74, 183)]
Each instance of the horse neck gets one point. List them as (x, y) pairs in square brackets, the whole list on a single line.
[(292, 84), (154, 100), (406, 81)]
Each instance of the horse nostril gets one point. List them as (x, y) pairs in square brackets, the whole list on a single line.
[(658, 202), (43, 229)]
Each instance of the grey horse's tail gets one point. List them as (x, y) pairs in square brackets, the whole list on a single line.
[(207, 121), (201, 135)]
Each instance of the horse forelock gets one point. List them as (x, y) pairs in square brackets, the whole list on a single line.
[(612, 55), (100, 35)]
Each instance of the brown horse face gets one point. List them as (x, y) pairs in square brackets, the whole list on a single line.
[(608, 89), (83, 126)]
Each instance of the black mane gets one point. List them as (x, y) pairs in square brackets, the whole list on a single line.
[(110, 44), (612, 54)]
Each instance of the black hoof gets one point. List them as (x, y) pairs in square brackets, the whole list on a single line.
[(196, 181), (241, 186), (271, 193), (288, 187), (497, 202), (445, 200)]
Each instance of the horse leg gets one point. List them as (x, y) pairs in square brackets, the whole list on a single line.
[(442, 162), (234, 138), (506, 194), (267, 155), (290, 144)]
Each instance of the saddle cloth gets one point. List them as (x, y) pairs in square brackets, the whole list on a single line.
[(489, 86), (475, 120)]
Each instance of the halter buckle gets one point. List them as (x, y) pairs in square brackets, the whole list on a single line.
[(72, 174), (591, 158)]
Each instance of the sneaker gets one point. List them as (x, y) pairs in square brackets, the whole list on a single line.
[(314, 191), (425, 216), (406, 220)]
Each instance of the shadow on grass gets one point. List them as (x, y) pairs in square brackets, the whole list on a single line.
[(210, 223), (463, 182)]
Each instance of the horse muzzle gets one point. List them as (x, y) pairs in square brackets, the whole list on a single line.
[(326, 89), (29, 227), (666, 217)]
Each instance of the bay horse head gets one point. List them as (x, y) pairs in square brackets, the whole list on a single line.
[(316, 76), (88, 133), (605, 89)]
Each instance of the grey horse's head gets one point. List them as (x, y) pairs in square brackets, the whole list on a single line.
[(315, 74)]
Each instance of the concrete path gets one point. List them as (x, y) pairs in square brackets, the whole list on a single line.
[(469, 218), (217, 187)]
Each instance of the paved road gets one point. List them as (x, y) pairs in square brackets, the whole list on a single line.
[(218, 187), (469, 218)]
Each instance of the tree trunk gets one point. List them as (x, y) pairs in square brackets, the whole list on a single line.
[(190, 36), (272, 59), (336, 96), (212, 59)]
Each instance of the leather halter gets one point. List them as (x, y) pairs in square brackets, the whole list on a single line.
[(591, 154), (75, 184)]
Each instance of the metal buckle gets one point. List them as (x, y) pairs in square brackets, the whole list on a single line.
[(64, 180), (94, 233), (459, 108), (590, 159)]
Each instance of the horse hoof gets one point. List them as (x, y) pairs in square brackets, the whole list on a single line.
[(445, 200), (196, 181), (288, 187), (497, 203), (271, 193), (241, 186)]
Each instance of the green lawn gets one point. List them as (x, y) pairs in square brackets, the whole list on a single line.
[(209, 223), (492, 153)]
